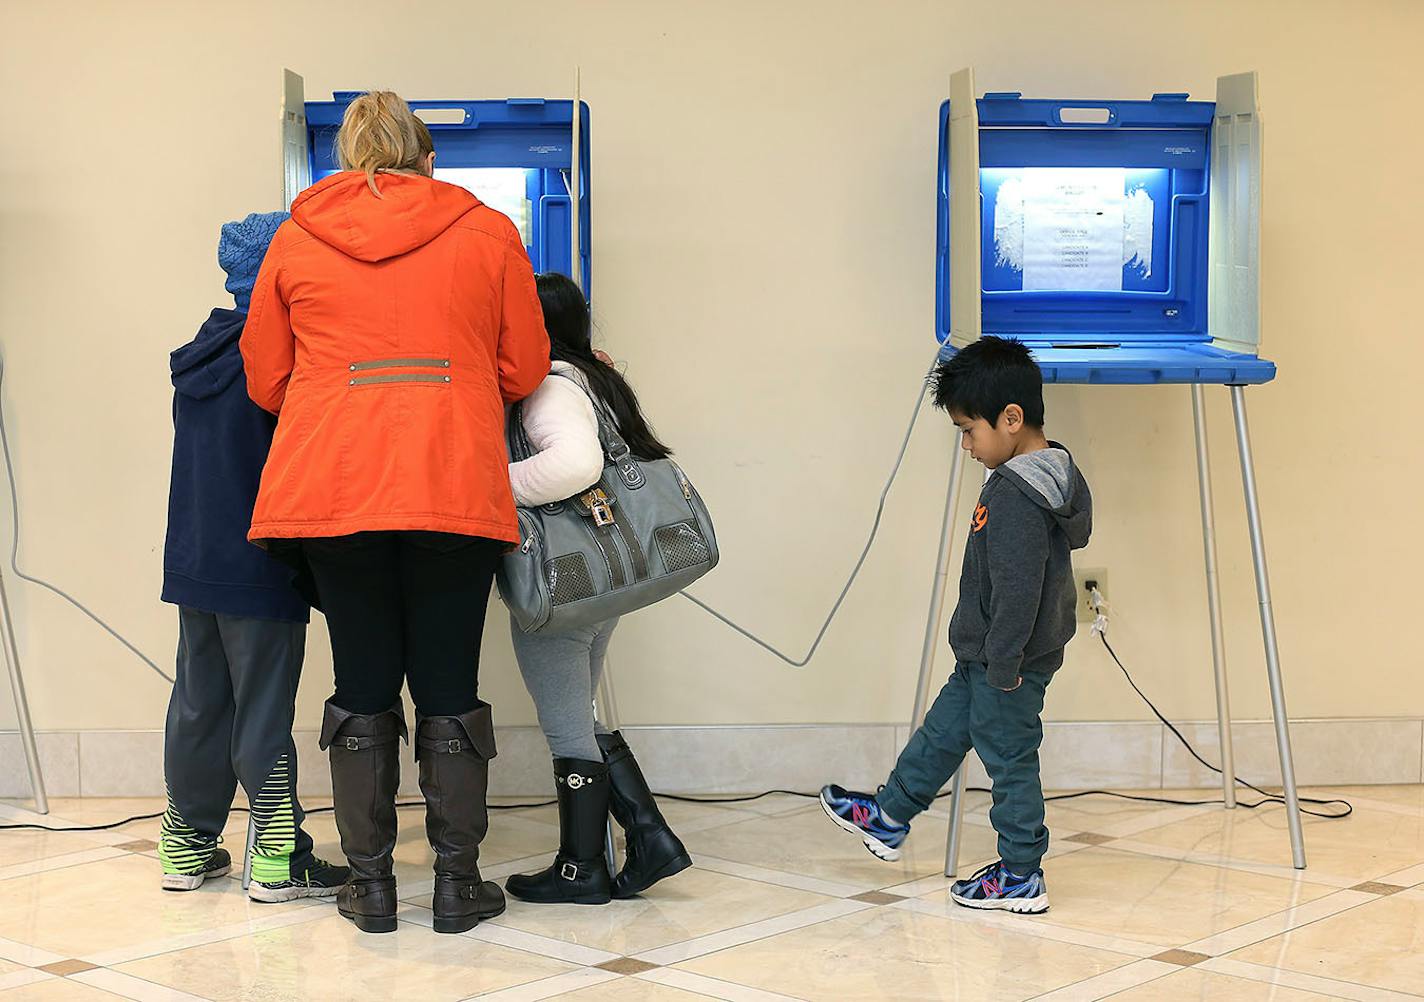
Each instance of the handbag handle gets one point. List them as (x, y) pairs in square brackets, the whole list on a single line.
[(516, 438), (615, 449)]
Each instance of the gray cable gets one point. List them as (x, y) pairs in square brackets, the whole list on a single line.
[(15, 551), (864, 554)]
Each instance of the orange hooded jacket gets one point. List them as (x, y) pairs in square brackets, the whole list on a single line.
[(388, 334)]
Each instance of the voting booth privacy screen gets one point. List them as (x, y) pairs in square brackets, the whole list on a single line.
[(519, 156), (1095, 242)]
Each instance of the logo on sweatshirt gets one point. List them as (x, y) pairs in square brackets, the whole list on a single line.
[(981, 517)]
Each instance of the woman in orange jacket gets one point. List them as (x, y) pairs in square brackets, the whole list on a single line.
[(393, 319)]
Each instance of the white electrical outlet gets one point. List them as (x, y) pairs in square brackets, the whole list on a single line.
[(1081, 577)]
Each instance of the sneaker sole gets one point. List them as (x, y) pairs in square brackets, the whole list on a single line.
[(274, 896), (876, 847), (191, 881), (1019, 906)]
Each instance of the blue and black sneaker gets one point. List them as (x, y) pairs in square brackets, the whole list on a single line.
[(994, 887), (859, 814)]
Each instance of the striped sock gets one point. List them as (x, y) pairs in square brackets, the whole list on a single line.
[(276, 826)]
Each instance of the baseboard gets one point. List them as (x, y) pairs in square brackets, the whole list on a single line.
[(737, 759)]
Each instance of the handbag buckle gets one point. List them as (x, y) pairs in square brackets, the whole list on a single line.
[(599, 507)]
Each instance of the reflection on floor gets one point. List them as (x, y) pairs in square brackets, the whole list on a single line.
[(1149, 902)]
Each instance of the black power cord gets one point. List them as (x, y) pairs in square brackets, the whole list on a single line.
[(1267, 797), (1270, 798)]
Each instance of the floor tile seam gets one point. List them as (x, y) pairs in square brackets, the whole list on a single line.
[(1136, 949), (107, 853), (1289, 930), (1270, 976), (1332, 881), (147, 949), (860, 907), (773, 869)]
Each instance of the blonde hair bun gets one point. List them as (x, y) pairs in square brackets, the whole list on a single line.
[(379, 133)]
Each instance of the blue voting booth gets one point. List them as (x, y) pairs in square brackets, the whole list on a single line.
[(1120, 241), (526, 157)]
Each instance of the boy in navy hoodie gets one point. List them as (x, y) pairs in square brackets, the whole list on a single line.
[(1015, 615), (242, 625)]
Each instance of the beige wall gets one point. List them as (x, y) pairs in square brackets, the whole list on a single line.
[(763, 236)]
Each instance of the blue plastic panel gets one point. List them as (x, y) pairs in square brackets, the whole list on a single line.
[(528, 134), (1154, 329), (1164, 148), (1146, 364)]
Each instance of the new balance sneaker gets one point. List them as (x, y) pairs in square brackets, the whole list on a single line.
[(994, 887), (185, 869), (320, 880), (859, 814)]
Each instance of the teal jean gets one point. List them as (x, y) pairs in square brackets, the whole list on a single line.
[(1006, 729)]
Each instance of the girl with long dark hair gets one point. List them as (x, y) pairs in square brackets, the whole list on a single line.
[(594, 769)]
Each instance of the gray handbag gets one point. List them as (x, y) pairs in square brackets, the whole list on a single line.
[(637, 536)]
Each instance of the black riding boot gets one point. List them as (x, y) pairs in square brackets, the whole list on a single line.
[(654, 852), (365, 774), (579, 873), (454, 754)]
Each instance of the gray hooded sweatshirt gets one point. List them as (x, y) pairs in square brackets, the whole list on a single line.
[(1017, 605)]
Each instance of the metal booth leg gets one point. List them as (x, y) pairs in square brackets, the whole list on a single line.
[(1213, 601), (247, 851), (931, 647), (956, 807), (1268, 627), (956, 824), (941, 579), (606, 710), (22, 706), (932, 637)]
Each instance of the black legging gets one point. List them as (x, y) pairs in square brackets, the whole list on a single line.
[(405, 605)]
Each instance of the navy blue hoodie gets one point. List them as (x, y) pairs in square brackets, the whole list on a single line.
[(220, 443)]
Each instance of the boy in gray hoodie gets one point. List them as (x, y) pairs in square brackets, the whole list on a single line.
[(1015, 615)]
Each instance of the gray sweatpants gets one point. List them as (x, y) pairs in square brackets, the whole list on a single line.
[(561, 672), (230, 721)]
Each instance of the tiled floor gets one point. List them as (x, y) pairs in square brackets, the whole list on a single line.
[(1150, 902)]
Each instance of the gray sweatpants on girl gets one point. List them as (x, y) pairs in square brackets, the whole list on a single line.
[(561, 672)]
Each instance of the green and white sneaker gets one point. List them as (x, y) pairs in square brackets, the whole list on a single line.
[(274, 820), (217, 864), (188, 856), (320, 880)]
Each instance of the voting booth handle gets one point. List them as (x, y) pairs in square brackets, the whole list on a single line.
[(1071, 115), (445, 114)]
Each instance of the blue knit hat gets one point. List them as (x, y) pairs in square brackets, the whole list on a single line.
[(241, 249)]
